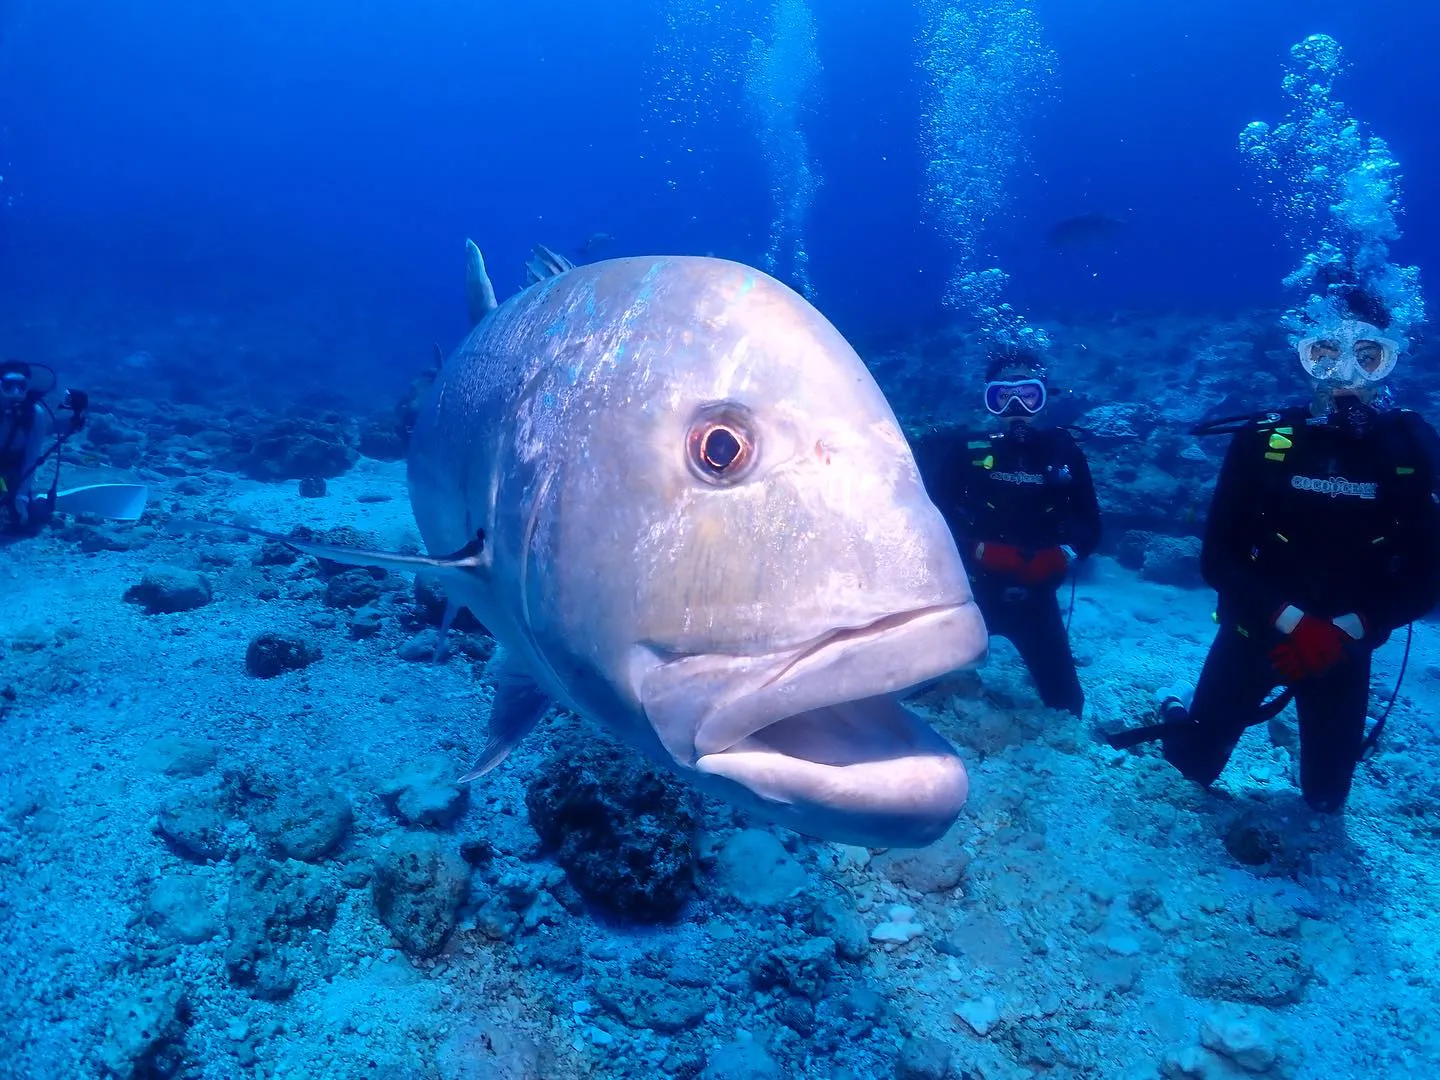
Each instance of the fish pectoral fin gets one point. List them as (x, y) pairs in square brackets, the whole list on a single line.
[(545, 263), (465, 563), (519, 704), (447, 620), (479, 293)]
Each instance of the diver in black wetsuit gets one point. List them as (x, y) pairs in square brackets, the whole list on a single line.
[(28, 438), (1323, 538), (24, 429), (1022, 507)]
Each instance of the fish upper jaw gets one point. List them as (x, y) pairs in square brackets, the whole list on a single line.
[(890, 654)]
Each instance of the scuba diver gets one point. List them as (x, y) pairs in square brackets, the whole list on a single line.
[(24, 428), (27, 425), (1323, 538), (1022, 508)]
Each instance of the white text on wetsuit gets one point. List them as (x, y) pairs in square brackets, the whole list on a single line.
[(1333, 486)]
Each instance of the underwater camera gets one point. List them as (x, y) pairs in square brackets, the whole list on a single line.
[(75, 402), (72, 401)]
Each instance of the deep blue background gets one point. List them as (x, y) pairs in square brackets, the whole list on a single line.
[(169, 159)]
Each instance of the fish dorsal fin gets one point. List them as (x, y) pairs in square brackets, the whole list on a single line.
[(518, 706), (545, 263), (479, 293)]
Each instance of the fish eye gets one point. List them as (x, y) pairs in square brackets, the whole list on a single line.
[(719, 449), (721, 444)]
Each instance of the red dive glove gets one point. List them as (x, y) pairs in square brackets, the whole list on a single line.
[(1045, 564), (1000, 558), (1312, 647)]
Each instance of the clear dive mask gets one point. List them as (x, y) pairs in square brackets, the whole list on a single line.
[(1354, 353), (1013, 396)]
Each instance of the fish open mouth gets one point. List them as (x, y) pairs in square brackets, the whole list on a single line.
[(864, 772), (817, 734)]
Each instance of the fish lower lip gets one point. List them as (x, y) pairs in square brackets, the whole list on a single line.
[(892, 654), (867, 772)]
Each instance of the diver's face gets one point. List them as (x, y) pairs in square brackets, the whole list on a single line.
[(1369, 356), (1350, 358), (1365, 392), (1015, 395), (12, 392)]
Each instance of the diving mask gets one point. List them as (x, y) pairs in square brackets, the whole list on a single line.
[(1354, 352), (1012, 396)]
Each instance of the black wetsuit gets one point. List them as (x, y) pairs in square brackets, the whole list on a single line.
[(1333, 522), (17, 456), (1030, 489)]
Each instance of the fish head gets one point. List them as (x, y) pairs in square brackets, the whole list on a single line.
[(743, 539)]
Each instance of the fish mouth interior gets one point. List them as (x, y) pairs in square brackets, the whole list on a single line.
[(863, 731)]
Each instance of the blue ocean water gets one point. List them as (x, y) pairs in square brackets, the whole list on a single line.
[(231, 844), (186, 157)]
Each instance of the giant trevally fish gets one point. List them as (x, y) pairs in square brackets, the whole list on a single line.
[(679, 501)]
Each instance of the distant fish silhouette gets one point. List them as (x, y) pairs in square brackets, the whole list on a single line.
[(1090, 228), (1231, 404), (595, 241)]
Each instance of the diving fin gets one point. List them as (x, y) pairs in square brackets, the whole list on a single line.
[(119, 502), (518, 706)]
